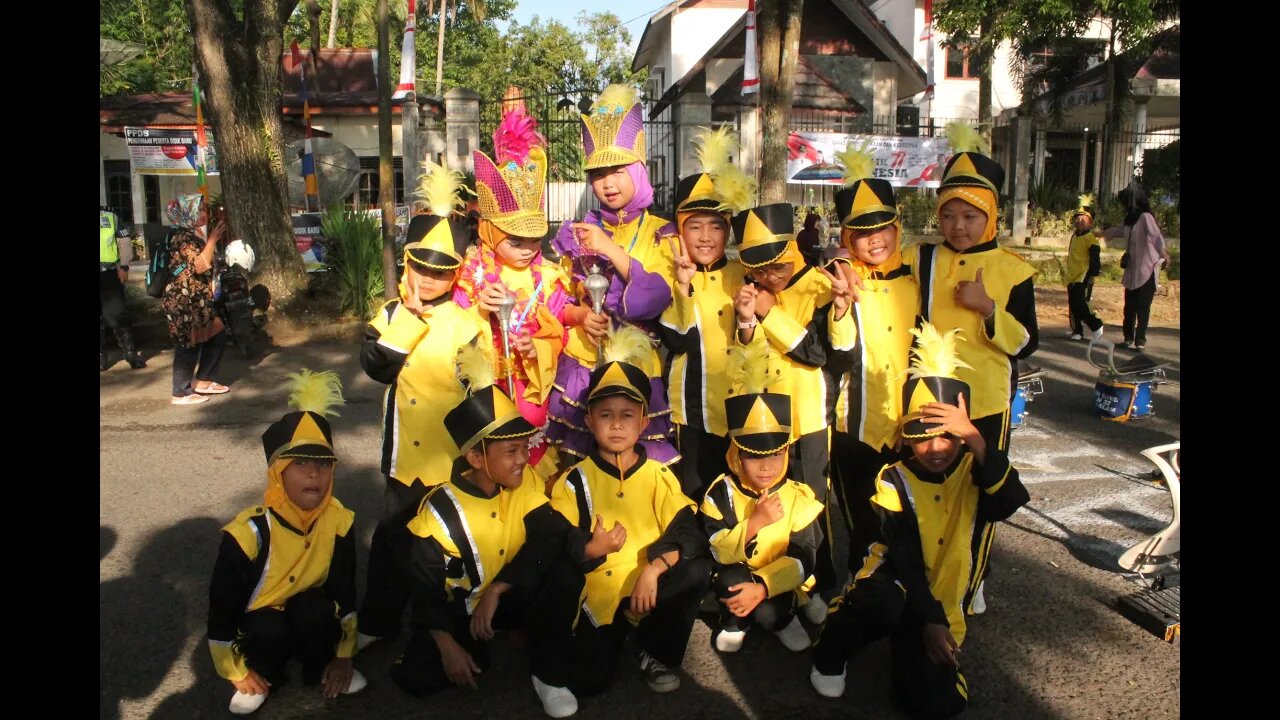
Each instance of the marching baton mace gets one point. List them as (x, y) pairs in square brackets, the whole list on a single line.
[(597, 286), (504, 323)]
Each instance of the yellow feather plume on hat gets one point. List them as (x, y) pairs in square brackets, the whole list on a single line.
[(617, 94), (965, 138), (1086, 200), (858, 163), (475, 367), (317, 392), (629, 345), (935, 353), (715, 148), (735, 189), (748, 368), (441, 189)]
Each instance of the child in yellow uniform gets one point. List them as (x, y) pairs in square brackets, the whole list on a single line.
[(918, 583), (887, 301), (1084, 263), (762, 526), (410, 345), (699, 326), (803, 313), (479, 541), (969, 282), (284, 584), (636, 555)]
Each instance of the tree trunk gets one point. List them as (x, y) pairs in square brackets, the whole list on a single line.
[(985, 57), (1109, 126), (313, 19), (239, 63), (386, 173), (773, 162), (333, 25), (440, 52)]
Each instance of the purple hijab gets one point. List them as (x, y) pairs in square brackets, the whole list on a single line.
[(642, 199)]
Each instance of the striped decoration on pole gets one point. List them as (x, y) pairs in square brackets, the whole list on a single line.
[(308, 159), (750, 67), (202, 166), (408, 57)]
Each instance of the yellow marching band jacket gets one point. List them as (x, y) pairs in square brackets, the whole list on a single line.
[(783, 553)]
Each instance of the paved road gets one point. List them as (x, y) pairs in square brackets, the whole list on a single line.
[(1051, 645)]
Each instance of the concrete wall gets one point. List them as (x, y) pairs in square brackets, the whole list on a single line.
[(359, 132), (693, 32)]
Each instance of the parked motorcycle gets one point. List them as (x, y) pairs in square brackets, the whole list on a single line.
[(240, 305)]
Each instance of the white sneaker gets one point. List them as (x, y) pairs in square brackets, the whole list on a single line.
[(358, 683), (979, 604), (363, 641), (730, 640), (816, 609), (793, 636), (244, 704), (1097, 334), (557, 702), (1077, 336), (831, 686)]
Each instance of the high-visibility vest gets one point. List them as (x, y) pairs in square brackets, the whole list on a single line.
[(110, 251)]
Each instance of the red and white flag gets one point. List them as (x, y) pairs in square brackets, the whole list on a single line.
[(408, 57), (750, 67)]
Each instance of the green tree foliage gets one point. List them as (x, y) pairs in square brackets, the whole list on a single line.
[(160, 26)]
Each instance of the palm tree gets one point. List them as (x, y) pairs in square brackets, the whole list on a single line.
[(477, 8)]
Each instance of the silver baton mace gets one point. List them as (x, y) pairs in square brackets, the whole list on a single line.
[(597, 286), (505, 308)]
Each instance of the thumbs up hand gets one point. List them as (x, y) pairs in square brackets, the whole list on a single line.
[(973, 296)]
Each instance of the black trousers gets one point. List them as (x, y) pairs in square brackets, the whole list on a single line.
[(995, 430), (810, 461), (854, 468), (207, 354), (702, 459), (112, 310), (771, 614), (1078, 295), (307, 628), (871, 609), (420, 670), (387, 589), (583, 658), (1137, 310)]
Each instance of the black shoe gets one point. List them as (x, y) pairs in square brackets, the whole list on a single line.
[(135, 360), (104, 362)]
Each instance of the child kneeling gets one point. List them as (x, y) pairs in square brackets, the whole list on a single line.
[(763, 526), (284, 584)]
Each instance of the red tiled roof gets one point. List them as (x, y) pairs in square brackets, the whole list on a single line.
[(171, 110)]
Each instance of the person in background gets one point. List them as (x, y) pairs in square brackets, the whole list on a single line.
[(115, 252)]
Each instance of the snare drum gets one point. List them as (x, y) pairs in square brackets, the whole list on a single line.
[(1122, 401), (1027, 389)]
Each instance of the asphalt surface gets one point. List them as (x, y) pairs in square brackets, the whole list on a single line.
[(1050, 646)]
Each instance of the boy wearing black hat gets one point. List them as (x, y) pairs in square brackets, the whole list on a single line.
[(411, 345), (763, 527), (479, 543), (284, 584), (886, 303), (803, 313), (635, 547), (698, 327), (1084, 263), (916, 586)]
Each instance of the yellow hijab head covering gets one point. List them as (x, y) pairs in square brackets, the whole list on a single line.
[(301, 434)]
